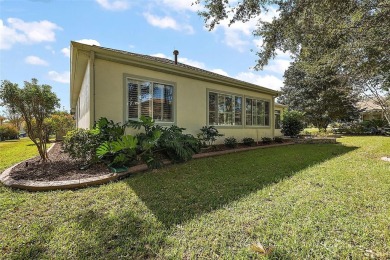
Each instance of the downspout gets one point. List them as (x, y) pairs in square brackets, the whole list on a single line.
[(92, 87), (272, 115)]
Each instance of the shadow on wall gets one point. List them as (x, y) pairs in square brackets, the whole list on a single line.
[(181, 192)]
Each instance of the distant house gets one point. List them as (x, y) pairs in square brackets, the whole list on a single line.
[(123, 86), (370, 110)]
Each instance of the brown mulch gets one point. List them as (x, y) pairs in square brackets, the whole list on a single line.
[(60, 168)]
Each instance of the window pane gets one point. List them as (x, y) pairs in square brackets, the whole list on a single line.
[(260, 112), (158, 101), (133, 99), (238, 111), (248, 111), (221, 118), (162, 102), (228, 104), (145, 99), (221, 103), (266, 113), (213, 108), (168, 104)]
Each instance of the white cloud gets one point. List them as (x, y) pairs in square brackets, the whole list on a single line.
[(268, 81), (159, 55), (114, 5), (277, 66), (19, 31), (239, 35), (167, 22), (66, 50), (221, 72), (181, 5), (89, 42), (60, 77), (193, 63), (34, 60)]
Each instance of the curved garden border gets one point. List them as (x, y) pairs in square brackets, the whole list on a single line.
[(30, 185)]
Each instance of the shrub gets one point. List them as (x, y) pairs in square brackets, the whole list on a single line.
[(169, 141), (248, 141), (230, 142), (208, 135), (292, 123), (118, 153), (81, 144), (266, 140), (8, 132), (177, 146), (278, 139)]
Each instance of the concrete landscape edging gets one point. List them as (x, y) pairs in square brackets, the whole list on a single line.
[(31, 185)]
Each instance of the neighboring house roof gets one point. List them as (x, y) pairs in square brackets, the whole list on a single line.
[(81, 53), (280, 105), (368, 105)]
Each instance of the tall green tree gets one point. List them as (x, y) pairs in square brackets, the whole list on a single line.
[(35, 103), (351, 36), (323, 97)]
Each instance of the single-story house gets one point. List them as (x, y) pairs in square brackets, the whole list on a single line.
[(369, 110), (122, 86)]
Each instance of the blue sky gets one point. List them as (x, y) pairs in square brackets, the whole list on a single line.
[(35, 37)]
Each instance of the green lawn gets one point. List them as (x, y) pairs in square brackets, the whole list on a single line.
[(308, 201), (14, 151)]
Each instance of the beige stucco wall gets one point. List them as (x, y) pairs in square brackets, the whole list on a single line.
[(83, 104), (190, 99)]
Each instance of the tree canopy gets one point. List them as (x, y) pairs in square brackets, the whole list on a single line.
[(352, 36), (323, 97), (35, 103)]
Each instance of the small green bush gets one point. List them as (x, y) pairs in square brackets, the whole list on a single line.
[(81, 144), (230, 142), (266, 140), (208, 135), (292, 123), (8, 132), (248, 141), (278, 139)]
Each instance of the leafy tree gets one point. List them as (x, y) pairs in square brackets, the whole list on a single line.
[(323, 97), (35, 103), (14, 118), (60, 122), (292, 123), (352, 36)]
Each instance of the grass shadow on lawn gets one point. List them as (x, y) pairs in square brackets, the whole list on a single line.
[(181, 192)]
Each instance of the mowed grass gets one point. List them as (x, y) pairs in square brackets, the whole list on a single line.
[(14, 151), (307, 201)]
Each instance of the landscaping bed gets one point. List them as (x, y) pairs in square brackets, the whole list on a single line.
[(60, 168)]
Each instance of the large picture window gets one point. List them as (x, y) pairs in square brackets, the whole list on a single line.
[(146, 98), (256, 112), (225, 109)]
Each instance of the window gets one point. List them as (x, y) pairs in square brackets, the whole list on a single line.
[(146, 98), (225, 109), (257, 112), (278, 122)]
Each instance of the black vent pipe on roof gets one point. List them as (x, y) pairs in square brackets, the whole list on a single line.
[(175, 52)]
